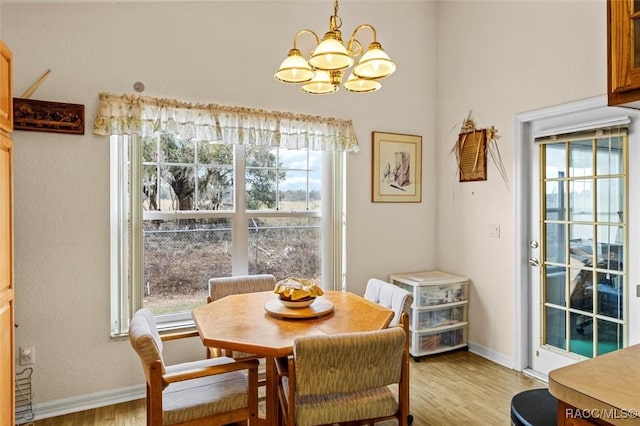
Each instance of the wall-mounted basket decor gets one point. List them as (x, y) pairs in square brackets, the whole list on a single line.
[(471, 149)]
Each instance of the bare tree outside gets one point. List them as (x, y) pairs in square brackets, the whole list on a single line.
[(180, 255)]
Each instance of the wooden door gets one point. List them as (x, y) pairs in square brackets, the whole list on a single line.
[(7, 364)]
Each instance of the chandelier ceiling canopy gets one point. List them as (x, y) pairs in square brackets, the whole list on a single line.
[(323, 72)]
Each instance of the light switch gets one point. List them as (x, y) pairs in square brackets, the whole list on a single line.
[(494, 230)]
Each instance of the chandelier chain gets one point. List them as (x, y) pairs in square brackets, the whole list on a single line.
[(335, 22)]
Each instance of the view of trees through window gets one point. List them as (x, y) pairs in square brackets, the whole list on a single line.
[(189, 211)]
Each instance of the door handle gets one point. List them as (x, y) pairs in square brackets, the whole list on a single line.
[(533, 261)]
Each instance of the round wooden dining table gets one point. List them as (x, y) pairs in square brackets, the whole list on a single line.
[(240, 322)]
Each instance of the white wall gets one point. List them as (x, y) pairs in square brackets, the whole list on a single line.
[(220, 52), (498, 59)]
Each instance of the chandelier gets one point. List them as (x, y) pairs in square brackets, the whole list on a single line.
[(322, 74)]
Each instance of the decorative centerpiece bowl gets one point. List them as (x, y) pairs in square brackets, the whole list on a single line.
[(297, 292), (303, 303)]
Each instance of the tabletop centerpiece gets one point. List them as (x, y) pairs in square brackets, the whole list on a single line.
[(296, 292)]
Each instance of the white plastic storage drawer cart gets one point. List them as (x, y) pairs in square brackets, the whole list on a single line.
[(438, 317)]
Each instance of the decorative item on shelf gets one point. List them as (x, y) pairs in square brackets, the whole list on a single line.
[(322, 74), (396, 168), (471, 149)]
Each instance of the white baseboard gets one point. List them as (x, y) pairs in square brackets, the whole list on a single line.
[(536, 375), (115, 396), (86, 402), (491, 355)]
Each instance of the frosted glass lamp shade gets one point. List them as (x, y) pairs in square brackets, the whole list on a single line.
[(374, 63), (330, 55), (361, 85), (320, 84), (294, 69)]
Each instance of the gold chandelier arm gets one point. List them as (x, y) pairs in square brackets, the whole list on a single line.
[(354, 46), (373, 30), (305, 31)]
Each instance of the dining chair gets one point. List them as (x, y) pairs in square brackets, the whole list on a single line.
[(390, 296), (226, 286), (346, 378), (217, 391)]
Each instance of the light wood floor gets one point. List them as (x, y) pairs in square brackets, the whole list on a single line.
[(458, 388)]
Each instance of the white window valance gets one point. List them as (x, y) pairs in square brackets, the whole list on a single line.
[(146, 116)]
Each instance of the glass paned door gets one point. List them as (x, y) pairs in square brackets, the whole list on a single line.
[(583, 221)]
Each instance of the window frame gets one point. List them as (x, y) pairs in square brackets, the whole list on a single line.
[(126, 233)]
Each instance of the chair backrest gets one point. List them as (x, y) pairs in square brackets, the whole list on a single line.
[(225, 286), (390, 296), (351, 362), (144, 337)]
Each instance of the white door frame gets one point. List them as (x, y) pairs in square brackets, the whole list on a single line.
[(526, 124)]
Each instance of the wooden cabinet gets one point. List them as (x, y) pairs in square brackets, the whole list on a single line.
[(6, 84), (623, 52), (7, 363)]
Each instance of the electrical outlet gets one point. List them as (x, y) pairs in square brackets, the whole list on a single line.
[(27, 355)]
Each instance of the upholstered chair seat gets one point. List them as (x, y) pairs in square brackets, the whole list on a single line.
[(323, 409), (205, 396)]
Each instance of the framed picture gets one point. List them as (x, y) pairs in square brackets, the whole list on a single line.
[(45, 116), (471, 151), (396, 170)]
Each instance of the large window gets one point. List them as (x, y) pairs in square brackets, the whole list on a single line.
[(184, 212), (201, 191)]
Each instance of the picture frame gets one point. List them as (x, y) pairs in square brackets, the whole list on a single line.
[(471, 151), (45, 116), (396, 168)]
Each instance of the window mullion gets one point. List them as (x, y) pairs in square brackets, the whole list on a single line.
[(240, 258), (333, 272), (136, 234)]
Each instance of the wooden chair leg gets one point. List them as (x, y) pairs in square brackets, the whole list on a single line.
[(148, 405)]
